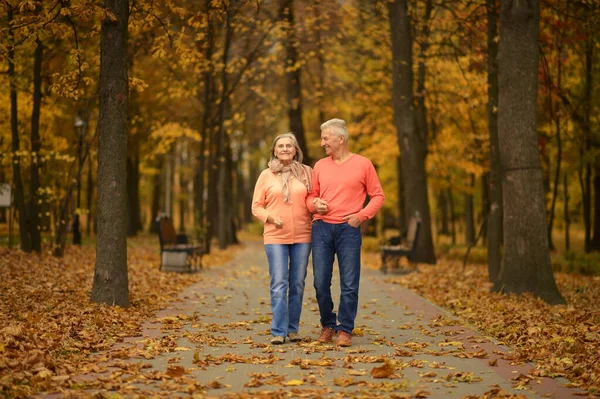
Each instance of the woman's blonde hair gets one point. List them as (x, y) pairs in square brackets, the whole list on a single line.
[(299, 155)]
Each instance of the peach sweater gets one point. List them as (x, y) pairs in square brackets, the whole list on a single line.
[(345, 187), (268, 200)]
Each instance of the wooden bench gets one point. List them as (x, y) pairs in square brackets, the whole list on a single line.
[(393, 251), (177, 252)]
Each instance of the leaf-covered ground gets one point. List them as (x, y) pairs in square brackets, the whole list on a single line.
[(561, 340), (48, 329), (48, 326)]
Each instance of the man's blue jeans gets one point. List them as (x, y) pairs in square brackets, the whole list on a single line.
[(287, 268), (344, 241)]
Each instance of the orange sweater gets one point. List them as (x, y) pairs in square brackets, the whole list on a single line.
[(268, 200), (345, 188)]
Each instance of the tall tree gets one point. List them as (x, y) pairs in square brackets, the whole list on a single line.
[(494, 222), (14, 128), (526, 266), (412, 142), (110, 277), (469, 212), (292, 73), (36, 145)]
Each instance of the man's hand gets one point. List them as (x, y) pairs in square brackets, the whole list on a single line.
[(352, 220), (320, 206)]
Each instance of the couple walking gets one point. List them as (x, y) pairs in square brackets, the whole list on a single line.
[(322, 210)]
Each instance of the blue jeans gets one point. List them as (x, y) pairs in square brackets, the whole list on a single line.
[(344, 241), (287, 268)]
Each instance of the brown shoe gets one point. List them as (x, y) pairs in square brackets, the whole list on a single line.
[(344, 339), (326, 334)]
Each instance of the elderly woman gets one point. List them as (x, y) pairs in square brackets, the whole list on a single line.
[(279, 202)]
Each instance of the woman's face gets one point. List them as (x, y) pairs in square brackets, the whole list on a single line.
[(285, 150)]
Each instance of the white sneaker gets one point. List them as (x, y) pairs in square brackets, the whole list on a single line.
[(294, 337), (277, 340)]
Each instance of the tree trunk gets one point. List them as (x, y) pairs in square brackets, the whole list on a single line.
[(19, 195), (567, 215), (485, 206), (155, 204), (595, 243), (132, 197), (443, 209), (421, 109), (182, 186), (452, 216), (294, 87), (556, 116), (199, 179), (110, 277), (469, 218), (223, 215), (240, 187), (232, 211), (3, 211), (495, 218), (526, 265), (36, 145), (89, 196), (402, 219), (413, 147), (586, 175), (318, 15), (252, 177)]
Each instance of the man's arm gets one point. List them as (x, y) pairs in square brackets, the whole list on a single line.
[(375, 192), (314, 194)]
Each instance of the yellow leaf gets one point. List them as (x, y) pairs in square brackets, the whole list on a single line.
[(294, 383), (355, 372)]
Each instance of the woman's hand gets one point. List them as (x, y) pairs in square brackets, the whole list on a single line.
[(275, 220)]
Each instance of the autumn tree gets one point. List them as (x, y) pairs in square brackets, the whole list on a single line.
[(411, 140), (293, 78), (495, 212), (526, 266), (110, 277), (14, 127)]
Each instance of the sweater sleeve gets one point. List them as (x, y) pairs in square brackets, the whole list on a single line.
[(315, 193), (258, 199), (375, 192)]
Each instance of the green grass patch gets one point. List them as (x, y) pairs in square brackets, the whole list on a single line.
[(577, 262)]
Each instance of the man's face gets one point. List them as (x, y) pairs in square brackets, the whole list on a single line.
[(331, 141)]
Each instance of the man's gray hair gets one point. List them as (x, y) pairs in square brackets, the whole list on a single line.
[(299, 155), (338, 126)]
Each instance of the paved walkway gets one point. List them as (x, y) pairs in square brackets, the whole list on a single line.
[(218, 342)]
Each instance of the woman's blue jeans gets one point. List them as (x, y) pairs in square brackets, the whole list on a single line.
[(344, 241), (287, 268)]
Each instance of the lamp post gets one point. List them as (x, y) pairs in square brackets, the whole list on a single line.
[(80, 126)]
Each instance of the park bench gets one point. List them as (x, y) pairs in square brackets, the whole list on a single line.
[(177, 252), (393, 250)]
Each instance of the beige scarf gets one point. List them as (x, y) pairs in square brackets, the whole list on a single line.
[(295, 169)]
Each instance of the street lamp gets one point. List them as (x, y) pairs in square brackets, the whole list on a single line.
[(80, 129)]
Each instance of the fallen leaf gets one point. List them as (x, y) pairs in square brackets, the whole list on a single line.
[(175, 371), (356, 372), (343, 381), (383, 371)]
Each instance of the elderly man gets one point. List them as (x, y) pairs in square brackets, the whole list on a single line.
[(341, 182)]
